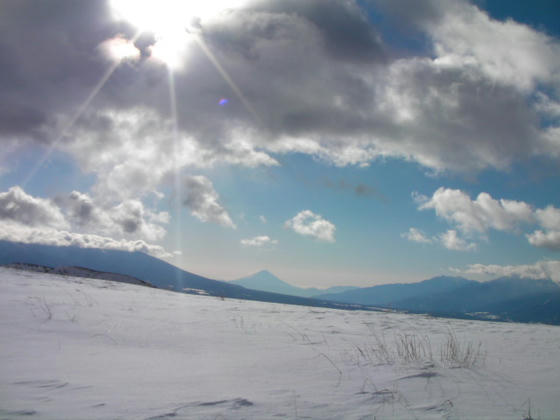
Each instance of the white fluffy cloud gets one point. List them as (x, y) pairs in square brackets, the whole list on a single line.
[(308, 223), (484, 213), (132, 218), (130, 149), (480, 214), (506, 52), (541, 270), (48, 236), (549, 217), (550, 239), (258, 241), (451, 240), (78, 220), (416, 235), (203, 201), (129, 218), (16, 205)]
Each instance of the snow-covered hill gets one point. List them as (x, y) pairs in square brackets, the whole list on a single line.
[(75, 348), (79, 272), (143, 267)]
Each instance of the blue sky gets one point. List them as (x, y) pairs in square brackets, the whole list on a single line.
[(360, 142)]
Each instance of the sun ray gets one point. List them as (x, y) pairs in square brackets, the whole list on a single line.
[(75, 117), (178, 196)]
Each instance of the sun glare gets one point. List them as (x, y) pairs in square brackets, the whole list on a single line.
[(171, 48), (120, 49), (169, 21)]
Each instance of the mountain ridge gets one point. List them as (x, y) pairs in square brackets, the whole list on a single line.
[(146, 268), (505, 298), (386, 293), (266, 281)]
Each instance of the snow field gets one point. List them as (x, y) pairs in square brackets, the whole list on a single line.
[(75, 348)]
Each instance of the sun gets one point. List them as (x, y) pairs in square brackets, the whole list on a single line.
[(170, 22)]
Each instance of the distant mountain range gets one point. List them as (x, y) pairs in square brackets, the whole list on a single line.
[(267, 282), (507, 298), (389, 294), (147, 269)]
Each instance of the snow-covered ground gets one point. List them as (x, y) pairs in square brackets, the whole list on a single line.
[(75, 348)]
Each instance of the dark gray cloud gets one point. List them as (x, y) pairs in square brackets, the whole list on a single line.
[(80, 207), (318, 75), (344, 28), (129, 216), (17, 206), (48, 59), (456, 118), (360, 189)]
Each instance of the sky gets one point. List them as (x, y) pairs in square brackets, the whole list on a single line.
[(340, 142)]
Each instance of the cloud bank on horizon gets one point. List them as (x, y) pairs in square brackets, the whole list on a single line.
[(134, 96)]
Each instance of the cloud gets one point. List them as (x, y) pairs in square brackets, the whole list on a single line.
[(360, 189), (449, 239), (78, 220), (71, 63), (308, 223), (463, 103), (419, 198), (119, 48), (473, 97), (258, 241), (129, 218), (48, 236), (342, 27), (452, 241), (546, 269), (506, 52), (549, 217), (464, 35), (416, 235), (16, 205), (81, 209), (480, 214), (262, 218), (129, 149), (550, 239), (484, 213), (203, 201)]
